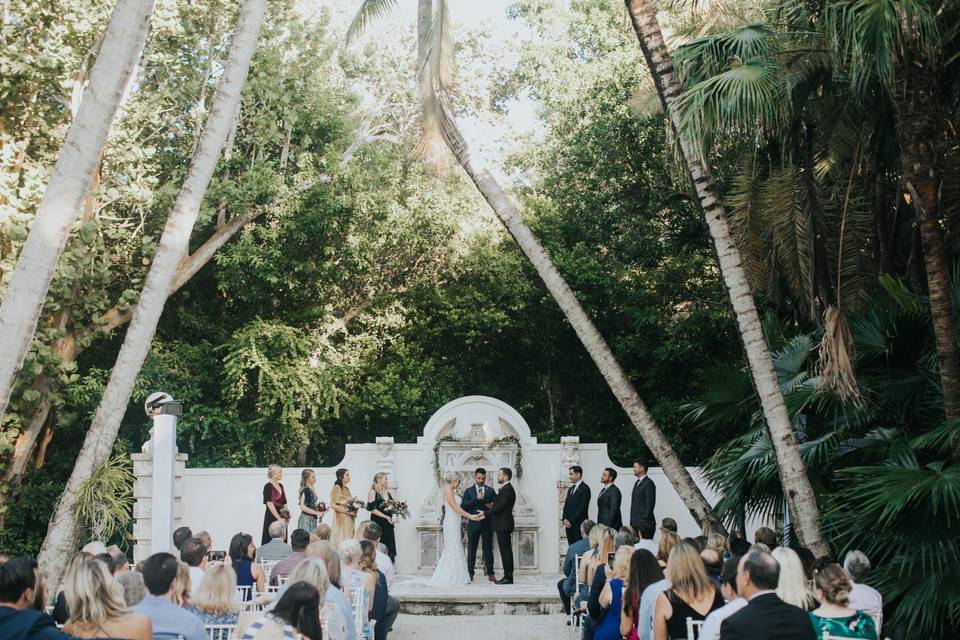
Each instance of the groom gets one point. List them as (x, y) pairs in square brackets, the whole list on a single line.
[(501, 521), (478, 499)]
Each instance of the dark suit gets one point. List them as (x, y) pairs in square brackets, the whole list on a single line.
[(568, 585), (386, 608), (643, 501), (476, 531), (575, 509), (608, 507), (501, 522), (767, 617)]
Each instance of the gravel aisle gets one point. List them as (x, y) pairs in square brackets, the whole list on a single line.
[(495, 627)]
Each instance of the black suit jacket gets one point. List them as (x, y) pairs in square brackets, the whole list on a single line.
[(501, 514), (608, 507), (576, 506), (767, 617), (471, 504), (643, 501)]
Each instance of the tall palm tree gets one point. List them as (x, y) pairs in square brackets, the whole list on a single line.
[(58, 210), (99, 440), (435, 75), (793, 474)]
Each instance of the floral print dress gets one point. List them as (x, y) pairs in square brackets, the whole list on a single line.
[(859, 625)]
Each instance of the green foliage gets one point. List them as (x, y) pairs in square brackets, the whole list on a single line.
[(105, 503)]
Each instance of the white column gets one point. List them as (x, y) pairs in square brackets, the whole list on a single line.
[(164, 445)]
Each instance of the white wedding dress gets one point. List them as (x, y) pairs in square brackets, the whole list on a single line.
[(451, 569)]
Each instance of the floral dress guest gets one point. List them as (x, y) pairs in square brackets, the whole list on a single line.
[(344, 519), (275, 501), (833, 617), (381, 515), (214, 599), (309, 514)]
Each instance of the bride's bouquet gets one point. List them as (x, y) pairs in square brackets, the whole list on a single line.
[(354, 505), (398, 508)]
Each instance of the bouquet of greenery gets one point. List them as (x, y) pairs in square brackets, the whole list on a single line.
[(354, 505), (397, 508), (284, 513)]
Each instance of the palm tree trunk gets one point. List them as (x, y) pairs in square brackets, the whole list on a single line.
[(584, 327), (63, 531), (793, 474), (68, 185)]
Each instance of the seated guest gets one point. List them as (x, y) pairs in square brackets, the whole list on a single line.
[(757, 577), (611, 596), (765, 536), (168, 619), (737, 545), (644, 571), (21, 590), (691, 595), (834, 617), (716, 541), (568, 584), (863, 597), (206, 539), (792, 587), (214, 599), (324, 551), (299, 540), (357, 576), (120, 562), (314, 571), (276, 549), (322, 532), (299, 608), (700, 542), (181, 535), (728, 578), (668, 524), (647, 530), (809, 561), (648, 599), (249, 573), (97, 607), (107, 561), (597, 579), (624, 537), (713, 563), (384, 609), (61, 611), (134, 590), (180, 595), (373, 533), (194, 554), (597, 533)]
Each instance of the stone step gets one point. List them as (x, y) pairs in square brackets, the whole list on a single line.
[(529, 595)]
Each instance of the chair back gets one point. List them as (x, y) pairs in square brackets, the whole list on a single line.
[(242, 593), (220, 631), (167, 636), (693, 628), (358, 605), (252, 605), (576, 572)]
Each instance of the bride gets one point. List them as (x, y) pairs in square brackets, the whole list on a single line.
[(452, 567)]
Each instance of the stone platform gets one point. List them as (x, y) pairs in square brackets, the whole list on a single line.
[(529, 595)]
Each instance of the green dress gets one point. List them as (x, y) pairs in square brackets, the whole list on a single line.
[(859, 625)]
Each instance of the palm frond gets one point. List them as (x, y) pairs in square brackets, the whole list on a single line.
[(369, 12), (435, 81)]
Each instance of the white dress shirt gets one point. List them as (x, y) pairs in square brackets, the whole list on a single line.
[(711, 625), (649, 545), (384, 565), (868, 600)]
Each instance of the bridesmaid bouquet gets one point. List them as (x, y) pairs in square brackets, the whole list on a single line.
[(321, 507), (284, 513), (398, 508), (354, 505)]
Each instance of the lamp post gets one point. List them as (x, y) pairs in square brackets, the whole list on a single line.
[(163, 409)]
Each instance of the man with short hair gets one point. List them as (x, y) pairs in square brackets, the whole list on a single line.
[(276, 549), (643, 498), (863, 597), (757, 575), (167, 619), (21, 593), (766, 536), (502, 523), (647, 529), (576, 505), (609, 500), (324, 551), (479, 499), (373, 533), (568, 584), (299, 540), (181, 535), (728, 587), (194, 553)]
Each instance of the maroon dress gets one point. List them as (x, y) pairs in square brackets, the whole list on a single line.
[(279, 500)]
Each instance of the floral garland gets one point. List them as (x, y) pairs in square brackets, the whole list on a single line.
[(437, 475), (436, 457)]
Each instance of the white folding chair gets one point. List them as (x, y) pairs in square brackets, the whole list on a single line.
[(242, 593), (693, 628), (574, 614), (358, 612), (220, 631), (253, 605)]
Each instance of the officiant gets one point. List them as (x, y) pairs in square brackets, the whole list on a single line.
[(479, 499)]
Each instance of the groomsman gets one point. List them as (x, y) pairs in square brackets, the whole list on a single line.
[(501, 521), (577, 504), (479, 499), (609, 500), (644, 497)]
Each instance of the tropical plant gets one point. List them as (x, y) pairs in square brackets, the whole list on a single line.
[(105, 499)]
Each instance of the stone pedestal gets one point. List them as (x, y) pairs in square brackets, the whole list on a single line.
[(143, 500)]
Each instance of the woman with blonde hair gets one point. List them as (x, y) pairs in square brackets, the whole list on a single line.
[(355, 576), (314, 571), (181, 588), (834, 617), (343, 516), (310, 514), (97, 608), (691, 595), (274, 502), (792, 586), (214, 600), (611, 597), (378, 495), (61, 612)]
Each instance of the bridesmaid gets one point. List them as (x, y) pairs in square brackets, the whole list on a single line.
[(310, 516), (379, 493), (344, 520), (275, 500)]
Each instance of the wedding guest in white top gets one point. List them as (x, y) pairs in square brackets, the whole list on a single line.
[(863, 597), (648, 599), (194, 554), (373, 533), (647, 530), (728, 587)]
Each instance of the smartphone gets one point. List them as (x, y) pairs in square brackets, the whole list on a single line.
[(217, 556), (610, 557)]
